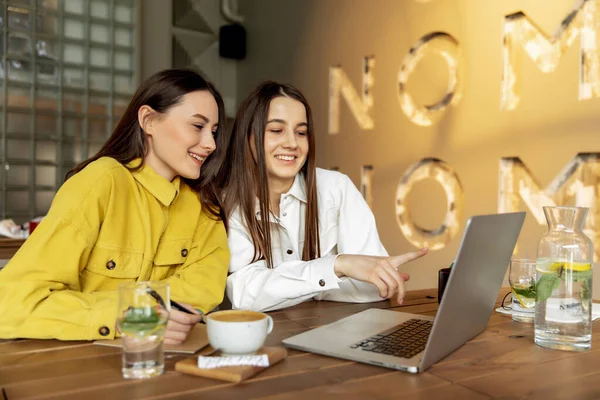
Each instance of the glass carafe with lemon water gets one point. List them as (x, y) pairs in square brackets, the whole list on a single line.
[(563, 316)]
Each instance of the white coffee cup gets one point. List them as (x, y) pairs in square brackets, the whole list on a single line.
[(238, 332)]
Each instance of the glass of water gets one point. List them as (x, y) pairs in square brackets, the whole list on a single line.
[(142, 320), (521, 278)]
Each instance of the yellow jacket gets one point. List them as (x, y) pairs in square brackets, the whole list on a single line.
[(108, 226)]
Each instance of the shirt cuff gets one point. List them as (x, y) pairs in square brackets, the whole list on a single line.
[(103, 320), (338, 279), (323, 277)]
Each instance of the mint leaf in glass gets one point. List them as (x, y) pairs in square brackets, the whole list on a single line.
[(144, 315), (545, 286), (528, 292), (140, 321)]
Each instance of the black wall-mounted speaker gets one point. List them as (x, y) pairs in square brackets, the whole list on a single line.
[(232, 41)]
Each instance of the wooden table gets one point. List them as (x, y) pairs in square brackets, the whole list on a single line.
[(502, 363), (8, 247)]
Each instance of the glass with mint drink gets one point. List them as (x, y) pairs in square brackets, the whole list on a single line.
[(522, 283), (142, 322)]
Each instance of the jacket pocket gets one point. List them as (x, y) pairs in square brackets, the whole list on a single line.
[(115, 263), (173, 252)]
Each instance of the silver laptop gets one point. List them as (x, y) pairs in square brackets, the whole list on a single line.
[(411, 342)]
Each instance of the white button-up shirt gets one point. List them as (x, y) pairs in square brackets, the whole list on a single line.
[(346, 226)]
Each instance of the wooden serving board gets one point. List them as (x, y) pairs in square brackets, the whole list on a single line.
[(231, 374)]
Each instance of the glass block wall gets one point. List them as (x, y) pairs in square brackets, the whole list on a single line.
[(67, 72)]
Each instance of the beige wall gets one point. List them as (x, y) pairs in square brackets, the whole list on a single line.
[(199, 39), (297, 40), (156, 40)]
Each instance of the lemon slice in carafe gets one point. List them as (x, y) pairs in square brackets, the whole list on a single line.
[(575, 266)]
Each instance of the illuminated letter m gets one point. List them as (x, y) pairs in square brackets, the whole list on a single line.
[(546, 51)]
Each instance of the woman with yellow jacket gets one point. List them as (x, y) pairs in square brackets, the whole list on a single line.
[(143, 209)]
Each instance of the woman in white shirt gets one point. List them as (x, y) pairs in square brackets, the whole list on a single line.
[(297, 232)]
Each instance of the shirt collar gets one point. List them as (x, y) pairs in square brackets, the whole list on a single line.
[(298, 189), (166, 192)]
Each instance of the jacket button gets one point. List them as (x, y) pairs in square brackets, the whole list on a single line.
[(284, 214), (104, 331), (184, 253), (111, 265), (321, 283), (289, 251)]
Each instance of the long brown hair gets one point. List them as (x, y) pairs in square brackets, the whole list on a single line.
[(245, 179), (128, 141)]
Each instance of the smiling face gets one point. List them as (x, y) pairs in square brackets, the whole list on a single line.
[(182, 138), (285, 141)]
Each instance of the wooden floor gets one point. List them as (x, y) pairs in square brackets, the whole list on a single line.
[(501, 363)]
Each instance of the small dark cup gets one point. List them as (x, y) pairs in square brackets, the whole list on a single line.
[(32, 226), (443, 276)]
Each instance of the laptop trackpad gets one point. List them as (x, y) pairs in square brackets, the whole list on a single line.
[(367, 323)]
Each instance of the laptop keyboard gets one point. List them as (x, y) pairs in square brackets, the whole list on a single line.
[(405, 340)]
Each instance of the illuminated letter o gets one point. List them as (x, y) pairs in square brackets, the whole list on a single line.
[(441, 172), (446, 46)]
